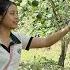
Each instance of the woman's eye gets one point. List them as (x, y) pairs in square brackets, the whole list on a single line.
[(12, 13)]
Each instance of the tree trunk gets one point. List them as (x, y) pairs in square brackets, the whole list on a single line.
[(64, 46)]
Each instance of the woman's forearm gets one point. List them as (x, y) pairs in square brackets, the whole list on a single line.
[(56, 36), (50, 40)]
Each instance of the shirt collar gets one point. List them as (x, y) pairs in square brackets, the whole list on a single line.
[(14, 38)]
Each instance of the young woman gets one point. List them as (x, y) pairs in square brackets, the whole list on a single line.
[(11, 42)]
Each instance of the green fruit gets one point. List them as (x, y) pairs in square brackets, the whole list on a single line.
[(39, 16), (35, 3)]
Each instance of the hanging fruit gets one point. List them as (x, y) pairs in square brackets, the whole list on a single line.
[(35, 3), (39, 15)]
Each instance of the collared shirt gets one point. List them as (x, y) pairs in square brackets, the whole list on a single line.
[(9, 57)]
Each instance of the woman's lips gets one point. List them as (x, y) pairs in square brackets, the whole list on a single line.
[(15, 22)]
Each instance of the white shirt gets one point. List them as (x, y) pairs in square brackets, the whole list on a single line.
[(9, 57)]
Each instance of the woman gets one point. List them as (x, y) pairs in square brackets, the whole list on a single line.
[(11, 42)]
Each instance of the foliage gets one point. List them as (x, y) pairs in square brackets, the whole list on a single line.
[(42, 17), (38, 18), (41, 64)]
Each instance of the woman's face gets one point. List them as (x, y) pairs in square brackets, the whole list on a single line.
[(11, 18)]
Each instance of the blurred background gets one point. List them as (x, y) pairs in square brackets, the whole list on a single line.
[(41, 18)]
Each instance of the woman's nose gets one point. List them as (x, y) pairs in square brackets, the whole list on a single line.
[(16, 16)]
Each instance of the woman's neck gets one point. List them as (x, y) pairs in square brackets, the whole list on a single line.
[(5, 36), (4, 32)]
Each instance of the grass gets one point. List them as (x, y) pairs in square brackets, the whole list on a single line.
[(44, 58)]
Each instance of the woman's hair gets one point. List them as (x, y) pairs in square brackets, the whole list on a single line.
[(4, 5)]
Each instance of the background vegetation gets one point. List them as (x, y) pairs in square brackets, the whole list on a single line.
[(41, 18)]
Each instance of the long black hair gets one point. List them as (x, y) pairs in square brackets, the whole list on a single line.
[(4, 5)]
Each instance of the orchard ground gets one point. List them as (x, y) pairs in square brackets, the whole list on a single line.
[(44, 58)]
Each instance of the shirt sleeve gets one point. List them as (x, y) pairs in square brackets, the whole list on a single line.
[(25, 40)]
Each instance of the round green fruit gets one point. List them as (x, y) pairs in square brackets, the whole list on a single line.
[(35, 3)]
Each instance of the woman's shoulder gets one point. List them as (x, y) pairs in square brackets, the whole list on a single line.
[(21, 36)]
